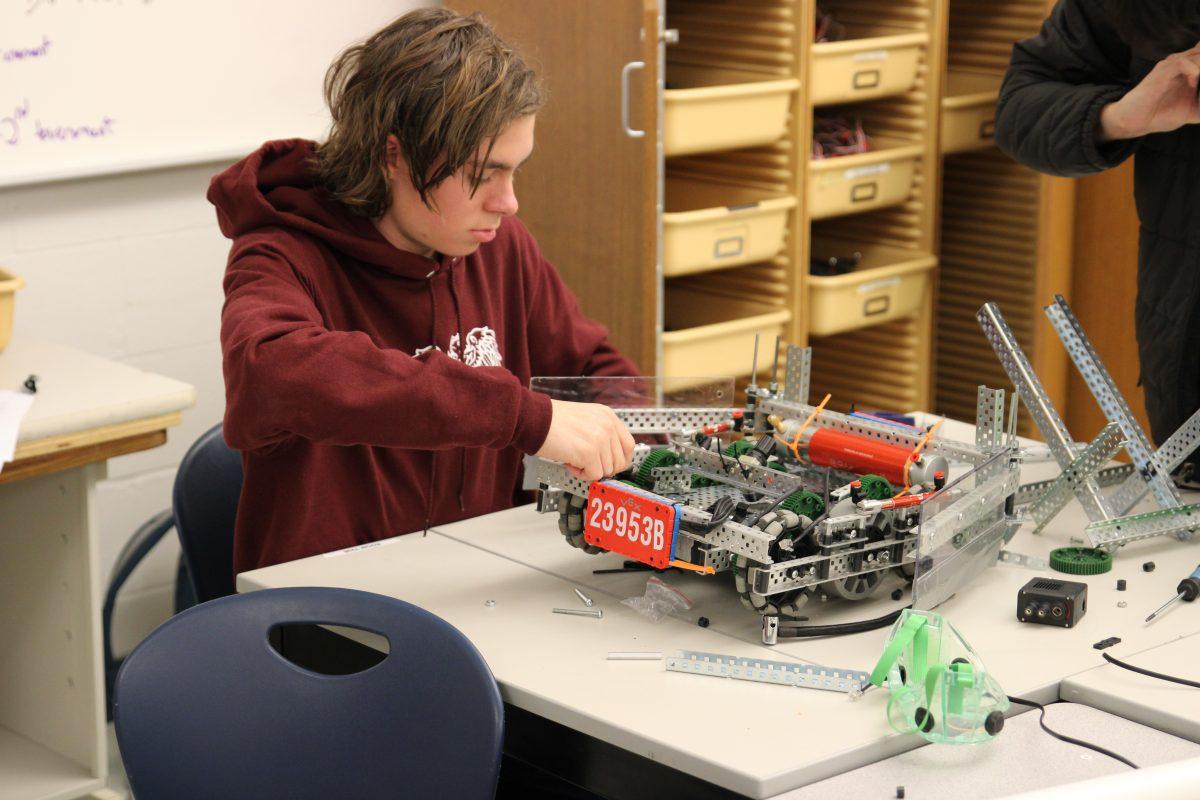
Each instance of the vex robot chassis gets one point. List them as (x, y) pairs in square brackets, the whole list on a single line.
[(796, 500)]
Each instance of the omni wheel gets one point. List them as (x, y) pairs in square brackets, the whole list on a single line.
[(570, 522), (786, 526)]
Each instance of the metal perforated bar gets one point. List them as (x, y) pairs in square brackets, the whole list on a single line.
[(1041, 410), (728, 469), (1173, 452), (1122, 530), (1109, 476), (797, 371), (1088, 463), (1111, 402), (667, 420), (989, 418), (809, 676)]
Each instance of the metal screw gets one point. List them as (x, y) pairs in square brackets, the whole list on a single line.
[(587, 601), (1076, 540), (490, 603), (580, 612)]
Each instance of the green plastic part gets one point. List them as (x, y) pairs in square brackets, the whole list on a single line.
[(1080, 561), (739, 447), (876, 487), (653, 460), (938, 686), (809, 504)]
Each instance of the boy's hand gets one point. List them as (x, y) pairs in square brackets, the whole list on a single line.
[(1163, 101), (589, 438)]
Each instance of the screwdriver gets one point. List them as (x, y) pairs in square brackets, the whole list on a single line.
[(1188, 589)]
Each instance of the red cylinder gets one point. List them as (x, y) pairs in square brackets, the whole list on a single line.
[(840, 450)]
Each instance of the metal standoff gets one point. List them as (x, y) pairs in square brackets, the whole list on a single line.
[(580, 612)]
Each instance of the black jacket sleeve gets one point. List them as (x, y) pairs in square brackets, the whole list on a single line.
[(1057, 83)]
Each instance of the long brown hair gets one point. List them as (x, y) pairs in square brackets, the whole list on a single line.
[(443, 83)]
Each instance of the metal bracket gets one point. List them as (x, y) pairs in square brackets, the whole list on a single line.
[(808, 676), (1022, 560), (1041, 409), (1167, 458), (797, 371), (1111, 402), (1181, 521), (671, 420), (989, 418), (1083, 468)]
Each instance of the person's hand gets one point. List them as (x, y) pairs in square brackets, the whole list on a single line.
[(1163, 101), (589, 438)]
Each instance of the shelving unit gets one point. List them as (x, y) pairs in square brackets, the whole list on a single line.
[(1005, 230), (876, 348)]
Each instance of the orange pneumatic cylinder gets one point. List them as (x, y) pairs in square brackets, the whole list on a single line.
[(840, 450)]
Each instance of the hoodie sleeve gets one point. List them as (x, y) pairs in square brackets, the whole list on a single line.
[(1057, 84), (287, 375), (562, 341)]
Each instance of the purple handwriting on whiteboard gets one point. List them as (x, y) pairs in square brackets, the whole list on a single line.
[(15, 54), (12, 126)]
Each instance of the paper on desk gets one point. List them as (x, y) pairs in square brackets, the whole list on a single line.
[(13, 408)]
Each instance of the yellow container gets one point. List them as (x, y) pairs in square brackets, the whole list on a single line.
[(710, 225), (9, 283), (969, 111), (890, 282), (862, 182), (709, 334), (721, 109), (877, 63)]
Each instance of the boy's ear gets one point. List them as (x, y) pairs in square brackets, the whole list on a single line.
[(393, 158)]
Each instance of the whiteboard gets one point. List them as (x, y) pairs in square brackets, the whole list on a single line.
[(93, 87)]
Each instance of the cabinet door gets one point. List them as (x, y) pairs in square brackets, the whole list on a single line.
[(589, 192)]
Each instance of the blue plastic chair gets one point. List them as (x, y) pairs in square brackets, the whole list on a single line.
[(206, 708), (205, 500)]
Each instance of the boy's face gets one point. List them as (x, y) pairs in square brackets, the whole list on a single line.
[(459, 221)]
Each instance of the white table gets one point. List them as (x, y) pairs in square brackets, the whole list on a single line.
[(749, 738), (87, 410)]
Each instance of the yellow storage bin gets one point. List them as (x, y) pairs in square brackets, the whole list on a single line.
[(879, 62), (9, 283), (864, 181), (710, 109), (889, 282), (969, 111), (710, 334), (709, 225)]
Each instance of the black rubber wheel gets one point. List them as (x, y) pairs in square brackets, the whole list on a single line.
[(924, 720), (994, 723)]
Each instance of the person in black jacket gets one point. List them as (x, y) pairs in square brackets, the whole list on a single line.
[(1103, 79)]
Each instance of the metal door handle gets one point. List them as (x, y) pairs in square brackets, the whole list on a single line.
[(625, 70)]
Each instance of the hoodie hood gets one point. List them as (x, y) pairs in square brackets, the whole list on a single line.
[(274, 187)]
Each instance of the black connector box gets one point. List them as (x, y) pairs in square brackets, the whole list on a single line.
[(1049, 601)]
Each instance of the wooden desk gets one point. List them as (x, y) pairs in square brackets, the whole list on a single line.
[(88, 409)]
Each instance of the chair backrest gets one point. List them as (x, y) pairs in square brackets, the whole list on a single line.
[(205, 500), (205, 707)]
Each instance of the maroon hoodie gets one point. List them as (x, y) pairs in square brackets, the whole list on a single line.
[(373, 391)]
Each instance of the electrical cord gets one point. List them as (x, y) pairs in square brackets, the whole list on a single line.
[(1069, 740), (789, 631), (1150, 673)]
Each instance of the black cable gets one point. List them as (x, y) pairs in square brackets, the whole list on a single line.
[(787, 631), (1068, 739), (1151, 673)]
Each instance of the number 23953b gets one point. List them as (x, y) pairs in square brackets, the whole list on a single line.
[(629, 523)]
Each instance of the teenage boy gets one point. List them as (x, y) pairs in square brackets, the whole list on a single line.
[(385, 310)]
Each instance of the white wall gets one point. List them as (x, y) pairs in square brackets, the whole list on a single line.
[(129, 268)]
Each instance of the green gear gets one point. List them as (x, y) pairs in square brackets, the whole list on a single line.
[(808, 504), (1080, 561), (739, 448), (876, 487), (653, 460)]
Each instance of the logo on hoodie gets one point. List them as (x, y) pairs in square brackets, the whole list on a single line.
[(481, 349)]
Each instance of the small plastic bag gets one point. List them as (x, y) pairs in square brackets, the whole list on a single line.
[(660, 600)]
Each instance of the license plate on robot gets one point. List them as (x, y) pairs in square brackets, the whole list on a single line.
[(625, 521)]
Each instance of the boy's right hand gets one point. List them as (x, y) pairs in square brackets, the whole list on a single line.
[(589, 438), (1163, 101)]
